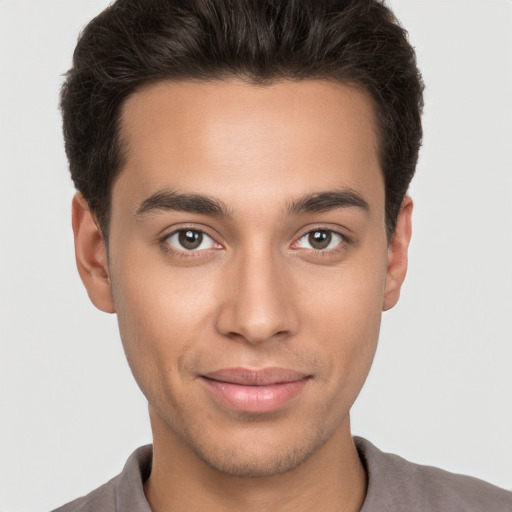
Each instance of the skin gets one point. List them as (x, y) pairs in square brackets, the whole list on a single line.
[(257, 293)]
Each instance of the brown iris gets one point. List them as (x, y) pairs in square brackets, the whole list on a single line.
[(320, 239), (190, 239)]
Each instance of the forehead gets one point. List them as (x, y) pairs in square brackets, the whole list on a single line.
[(229, 135)]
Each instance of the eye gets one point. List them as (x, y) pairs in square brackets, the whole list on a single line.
[(190, 240), (320, 240)]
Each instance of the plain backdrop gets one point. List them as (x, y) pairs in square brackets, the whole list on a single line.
[(440, 389)]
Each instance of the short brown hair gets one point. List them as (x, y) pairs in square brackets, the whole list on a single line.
[(134, 43)]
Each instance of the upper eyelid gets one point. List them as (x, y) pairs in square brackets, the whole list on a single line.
[(343, 237), (167, 232), (325, 230), (173, 233), (309, 230), (319, 228)]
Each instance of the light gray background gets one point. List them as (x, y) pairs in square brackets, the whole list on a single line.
[(440, 389)]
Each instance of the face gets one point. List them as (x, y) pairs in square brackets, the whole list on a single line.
[(248, 264)]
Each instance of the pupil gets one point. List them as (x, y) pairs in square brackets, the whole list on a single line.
[(320, 239), (190, 239)]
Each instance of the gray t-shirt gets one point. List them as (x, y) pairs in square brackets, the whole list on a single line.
[(394, 485)]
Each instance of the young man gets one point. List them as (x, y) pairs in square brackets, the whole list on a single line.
[(242, 169)]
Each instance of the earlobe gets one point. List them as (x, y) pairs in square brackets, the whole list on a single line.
[(91, 255), (397, 254)]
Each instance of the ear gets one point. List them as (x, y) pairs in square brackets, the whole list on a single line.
[(397, 254), (91, 255)]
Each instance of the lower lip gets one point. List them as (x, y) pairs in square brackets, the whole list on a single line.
[(255, 398)]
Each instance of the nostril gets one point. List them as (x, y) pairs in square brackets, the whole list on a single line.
[(257, 309)]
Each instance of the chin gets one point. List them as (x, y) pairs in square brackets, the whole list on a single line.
[(257, 458), (255, 465)]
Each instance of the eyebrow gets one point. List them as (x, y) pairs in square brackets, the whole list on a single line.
[(327, 201), (169, 200)]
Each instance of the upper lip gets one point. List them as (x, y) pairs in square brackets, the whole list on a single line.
[(261, 377)]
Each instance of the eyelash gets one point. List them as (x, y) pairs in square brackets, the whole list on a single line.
[(183, 253), (325, 253)]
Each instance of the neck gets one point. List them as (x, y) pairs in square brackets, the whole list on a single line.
[(332, 480)]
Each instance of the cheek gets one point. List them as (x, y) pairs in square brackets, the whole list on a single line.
[(344, 315), (161, 315)]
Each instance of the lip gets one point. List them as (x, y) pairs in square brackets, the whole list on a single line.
[(255, 391)]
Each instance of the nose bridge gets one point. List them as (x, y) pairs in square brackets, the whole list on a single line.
[(259, 307)]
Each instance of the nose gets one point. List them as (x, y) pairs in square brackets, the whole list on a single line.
[(258, 304)]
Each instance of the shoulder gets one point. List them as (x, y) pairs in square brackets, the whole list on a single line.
[(125, 492), (396, 484), (102, 499)]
